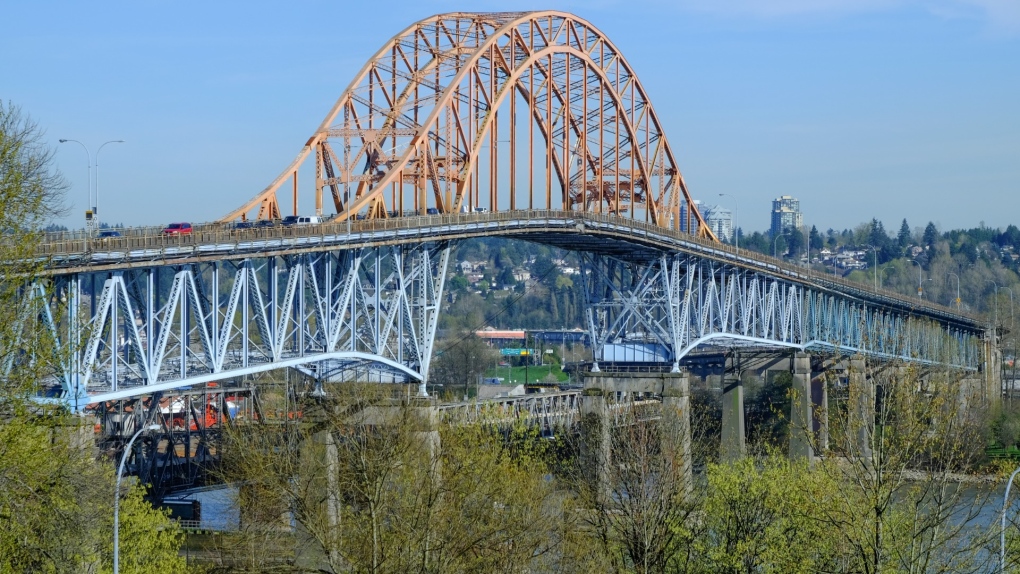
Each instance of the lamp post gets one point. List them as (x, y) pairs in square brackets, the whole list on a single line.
[(93, 205), (1002, 527), (884, 271), (116, 497), (875, 251), (995, 322), (97, 175), (736, 237), (774, 241), (919, 278), (88, 154), (957, 288), (1010, 306)]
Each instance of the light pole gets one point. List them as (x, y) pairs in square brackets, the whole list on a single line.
[(995, 322), (957, 288), (884, 272), (96, 210), (88, 154), (1010, 306), (919, 278), (116, 497), (774, 241), (736, 237), (1002, 528), (875, 251)]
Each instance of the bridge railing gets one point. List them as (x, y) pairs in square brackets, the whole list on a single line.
[(62, 244)]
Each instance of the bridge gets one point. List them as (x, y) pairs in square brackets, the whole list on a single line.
[(526, 125)]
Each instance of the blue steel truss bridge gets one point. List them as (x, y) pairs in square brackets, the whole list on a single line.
[(523, 125)]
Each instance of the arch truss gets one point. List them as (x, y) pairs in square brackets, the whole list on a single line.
[(493, 111), (658, 311)]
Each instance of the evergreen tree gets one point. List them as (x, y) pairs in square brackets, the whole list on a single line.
[(903, 237), (931, 235), (815, 240)]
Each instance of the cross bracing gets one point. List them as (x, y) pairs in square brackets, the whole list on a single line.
[(662, 309), (294, 300), (160, 327)]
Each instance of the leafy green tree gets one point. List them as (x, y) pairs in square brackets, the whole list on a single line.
[(55, 496), (461, 362), (761, 516)]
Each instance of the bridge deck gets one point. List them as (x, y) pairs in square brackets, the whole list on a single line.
[(144, 247)]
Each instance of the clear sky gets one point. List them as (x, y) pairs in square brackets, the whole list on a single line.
[(860, 108)]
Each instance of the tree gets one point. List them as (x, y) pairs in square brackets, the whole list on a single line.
[(379, 486), (461, 362), (815, 239), (903, 237), (895, 458), (931, 235), (55, 496)]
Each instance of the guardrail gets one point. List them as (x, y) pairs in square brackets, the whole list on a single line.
[(55, 245)]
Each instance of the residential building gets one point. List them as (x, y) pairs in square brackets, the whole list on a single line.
[(786, 214), (719, 220)]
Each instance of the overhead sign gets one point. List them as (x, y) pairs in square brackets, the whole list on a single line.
[(516, 352)]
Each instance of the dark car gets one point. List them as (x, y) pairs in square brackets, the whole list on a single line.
[(289, 220), (244, 225), (432, 211), (107, 234), (181, 228), (265, 223)]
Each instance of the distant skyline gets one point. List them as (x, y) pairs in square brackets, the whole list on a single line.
[(859, 108)]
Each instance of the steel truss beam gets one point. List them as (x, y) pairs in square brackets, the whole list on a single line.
[(667, 307), (157, 328)]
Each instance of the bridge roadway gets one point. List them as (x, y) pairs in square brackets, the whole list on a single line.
[(338, 296), (634, 240)]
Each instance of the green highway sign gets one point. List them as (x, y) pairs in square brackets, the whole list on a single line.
[(516, 352)]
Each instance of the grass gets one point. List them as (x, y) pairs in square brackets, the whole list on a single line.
[(535, 374)]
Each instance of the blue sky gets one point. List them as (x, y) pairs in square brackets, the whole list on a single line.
[(860, 108)]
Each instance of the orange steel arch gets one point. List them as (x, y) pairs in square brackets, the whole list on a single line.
[(493, 111)]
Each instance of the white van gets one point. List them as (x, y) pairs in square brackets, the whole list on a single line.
[(481, 210), (308, 220)]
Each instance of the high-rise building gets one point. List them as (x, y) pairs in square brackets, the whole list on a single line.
[(786, 214), (719, 220)]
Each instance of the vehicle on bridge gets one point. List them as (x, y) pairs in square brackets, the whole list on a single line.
[(182, 228)]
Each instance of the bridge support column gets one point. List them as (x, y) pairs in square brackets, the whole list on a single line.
[(733, 445), (862, 400), (596, 443), (801, 421), (676, 425)]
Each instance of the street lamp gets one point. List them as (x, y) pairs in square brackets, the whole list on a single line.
[(884, 271), (116, 497), (1010, 306), (919, 278), (736, 238), (957, 288), (995, 322), (774, 241), (875, 251), (94, 206)]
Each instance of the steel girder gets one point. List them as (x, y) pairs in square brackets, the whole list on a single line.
[(668, 306), (151, 329)]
